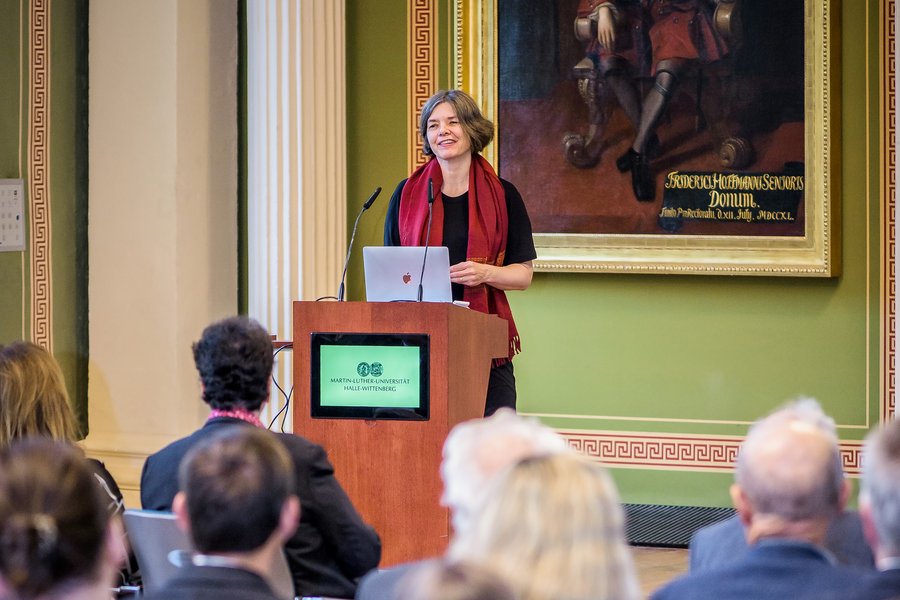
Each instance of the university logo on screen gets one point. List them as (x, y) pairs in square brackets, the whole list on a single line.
[(369, 378)]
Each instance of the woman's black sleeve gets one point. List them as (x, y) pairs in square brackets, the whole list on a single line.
[(392, 218), (519, 240)]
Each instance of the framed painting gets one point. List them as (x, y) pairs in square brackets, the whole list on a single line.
[(664, 136)]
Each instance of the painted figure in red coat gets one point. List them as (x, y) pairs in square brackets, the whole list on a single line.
[(660, 38)]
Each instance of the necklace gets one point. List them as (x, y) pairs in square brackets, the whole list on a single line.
[(236, 413)]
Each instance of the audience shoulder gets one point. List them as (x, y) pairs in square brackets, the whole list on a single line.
[(309, 456)]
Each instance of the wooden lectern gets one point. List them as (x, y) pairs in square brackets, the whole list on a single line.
[(390, 469)]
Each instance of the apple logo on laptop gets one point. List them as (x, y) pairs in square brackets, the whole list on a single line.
[(407, 278)]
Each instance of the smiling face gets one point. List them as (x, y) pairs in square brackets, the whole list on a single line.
[(446, 136)]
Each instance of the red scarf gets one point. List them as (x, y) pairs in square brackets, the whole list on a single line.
[(488, 228)]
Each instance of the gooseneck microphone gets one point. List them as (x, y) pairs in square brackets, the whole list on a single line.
[(427, 236), (366, 205)]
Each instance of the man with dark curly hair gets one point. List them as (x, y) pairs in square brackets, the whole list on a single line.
[(332, 546)]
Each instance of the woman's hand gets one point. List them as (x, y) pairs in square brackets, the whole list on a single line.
[(606, 28), (510, 277), (470, 274)]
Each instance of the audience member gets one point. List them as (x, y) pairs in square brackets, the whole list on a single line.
[(879, 507), (332, 546), (443, 580), (58, 541), (553, 527), (35, 402), (237, 505), (789, 486), (474, 452)]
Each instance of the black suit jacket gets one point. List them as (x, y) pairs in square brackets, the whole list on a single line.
[(332, 547), (214, 583)]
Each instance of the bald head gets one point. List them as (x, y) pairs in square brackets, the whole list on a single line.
[(789, 466)]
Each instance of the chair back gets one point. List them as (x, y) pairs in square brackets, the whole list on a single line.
[(280, 579), (161, 547)]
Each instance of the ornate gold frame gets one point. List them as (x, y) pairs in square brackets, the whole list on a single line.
[(815, 254)]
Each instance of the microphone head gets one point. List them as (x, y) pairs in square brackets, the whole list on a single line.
[(368, 203), (430, 192)]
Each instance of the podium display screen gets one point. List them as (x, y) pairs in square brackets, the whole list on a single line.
[(369, 376)]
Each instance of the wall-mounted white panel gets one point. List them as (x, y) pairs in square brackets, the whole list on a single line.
[(12, 215)]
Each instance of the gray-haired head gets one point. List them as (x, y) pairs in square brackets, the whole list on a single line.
[(789, 465), (475, 451), (881, 485)]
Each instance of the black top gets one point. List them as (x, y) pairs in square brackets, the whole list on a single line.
[(332, 547), (519, 242)]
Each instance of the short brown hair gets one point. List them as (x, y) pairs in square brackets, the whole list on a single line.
[(479, 129), (235, 484)]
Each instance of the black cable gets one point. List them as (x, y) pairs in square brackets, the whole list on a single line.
[(286, 395), (286, 404)]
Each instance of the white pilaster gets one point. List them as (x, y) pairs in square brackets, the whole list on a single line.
[(297, 172)]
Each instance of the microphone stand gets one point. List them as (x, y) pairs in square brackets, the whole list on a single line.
[(366, 205), (427, 237)]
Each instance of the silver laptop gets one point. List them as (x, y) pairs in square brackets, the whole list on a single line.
[(392, 273), (161, 547)]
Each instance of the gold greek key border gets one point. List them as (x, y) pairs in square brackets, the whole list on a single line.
[(888, 194), (39, 174), (421, 70), (674, 452)]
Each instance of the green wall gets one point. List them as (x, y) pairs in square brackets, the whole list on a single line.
[(11, 263), (647, 349), (68, 182)]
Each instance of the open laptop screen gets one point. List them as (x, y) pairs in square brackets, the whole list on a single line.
[(392, 273)]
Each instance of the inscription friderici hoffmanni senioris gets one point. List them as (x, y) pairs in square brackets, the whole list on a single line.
[(732, 197)]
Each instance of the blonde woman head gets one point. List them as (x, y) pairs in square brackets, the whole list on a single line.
[(33, 397), (554, 528)]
